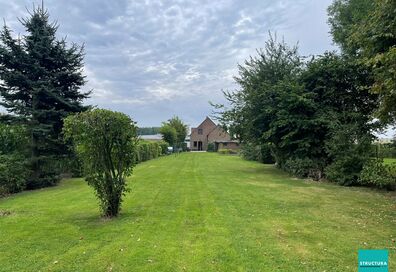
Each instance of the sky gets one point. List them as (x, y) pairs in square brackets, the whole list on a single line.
[(153, 59)]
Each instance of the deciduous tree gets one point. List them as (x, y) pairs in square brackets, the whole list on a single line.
[(106, 142)]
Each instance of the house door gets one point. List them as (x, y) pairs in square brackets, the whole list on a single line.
[(199, 146)]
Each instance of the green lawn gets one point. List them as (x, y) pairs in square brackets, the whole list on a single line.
[(198, 212), (389, 160)]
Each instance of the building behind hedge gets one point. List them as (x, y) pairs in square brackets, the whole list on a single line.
[(208, 132)]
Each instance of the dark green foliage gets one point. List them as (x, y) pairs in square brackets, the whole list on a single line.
[(265, 155), (148, 130), (71, 166), (348, 153), (164, 147), (106, 143), (366, 30), (13, 174), (40, 78), (250, 152), (345, 16), (211, 147), (13, 151), (316, 118), (272, 109), (377, 174), (304, 167), (345, 109), (261, 153)]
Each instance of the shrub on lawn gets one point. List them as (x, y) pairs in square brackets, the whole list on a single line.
[(379, 175), (13, 174), (106, 142)]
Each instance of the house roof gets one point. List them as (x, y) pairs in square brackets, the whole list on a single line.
[(207, 119)]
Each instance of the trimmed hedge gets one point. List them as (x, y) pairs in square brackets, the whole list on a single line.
[(150, 150)]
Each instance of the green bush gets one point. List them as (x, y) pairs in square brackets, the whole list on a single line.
[(105, 141), (13, 174), (13, 139), (250, 152), (14, 171), (379, 175), (149, 150), (348, 152), (71, 165), (253, 152), (345, 171), (164, 147), (265, 155), (211, 147), (304, 168)]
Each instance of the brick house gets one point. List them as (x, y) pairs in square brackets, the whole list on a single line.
[(208, 132)]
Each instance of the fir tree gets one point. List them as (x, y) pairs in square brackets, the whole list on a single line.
[(40, 80)]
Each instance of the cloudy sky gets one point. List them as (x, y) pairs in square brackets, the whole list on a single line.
[(154, 59)]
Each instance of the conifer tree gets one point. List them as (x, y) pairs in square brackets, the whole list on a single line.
[(40, 80)]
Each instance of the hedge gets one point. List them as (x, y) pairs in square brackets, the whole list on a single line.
[(150, 150)]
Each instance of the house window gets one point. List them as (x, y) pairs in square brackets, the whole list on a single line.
[(195, 143), (225, 144), (200, 131)]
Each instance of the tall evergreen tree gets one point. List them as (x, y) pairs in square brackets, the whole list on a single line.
[(40, 80)]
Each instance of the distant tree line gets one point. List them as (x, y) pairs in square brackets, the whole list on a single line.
[(317, 117), (148, 130)]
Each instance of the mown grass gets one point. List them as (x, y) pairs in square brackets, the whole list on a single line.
[(198, 212), (388, 161)]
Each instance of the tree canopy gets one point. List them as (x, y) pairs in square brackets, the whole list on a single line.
[(367, 30), (316, 116), (174, 131), (40, 80), (106, 143)]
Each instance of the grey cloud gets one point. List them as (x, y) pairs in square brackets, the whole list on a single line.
[(154, 59)]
